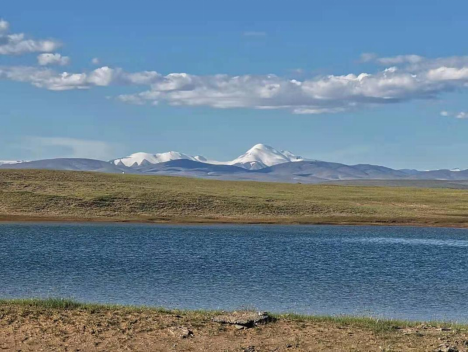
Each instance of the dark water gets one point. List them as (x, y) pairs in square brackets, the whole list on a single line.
[(410, 273)]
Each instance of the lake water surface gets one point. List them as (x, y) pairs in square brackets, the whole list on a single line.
[(392, 272)]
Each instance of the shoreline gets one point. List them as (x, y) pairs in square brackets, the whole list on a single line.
[(19, 219), (71, 304), (60, 324)]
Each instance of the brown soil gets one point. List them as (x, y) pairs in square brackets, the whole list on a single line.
[(120, 329)]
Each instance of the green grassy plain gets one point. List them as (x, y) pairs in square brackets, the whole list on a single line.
[(37, 195)]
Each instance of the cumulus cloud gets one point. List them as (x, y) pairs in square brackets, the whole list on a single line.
[(17, 43), (329, 94), (45, 78), (95, 61), (405, 78), (50, 79), (448, 74), (53, 59)]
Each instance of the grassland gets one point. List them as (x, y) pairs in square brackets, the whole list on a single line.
[(34, 195), (55, 324)]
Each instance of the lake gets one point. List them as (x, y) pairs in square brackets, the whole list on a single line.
[(391, 272)]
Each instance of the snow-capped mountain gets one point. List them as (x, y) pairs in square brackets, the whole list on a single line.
[(139, 159), (258, 157), (260, 163), (261, 156)]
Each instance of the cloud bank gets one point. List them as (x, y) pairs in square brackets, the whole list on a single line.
[(405, 78)]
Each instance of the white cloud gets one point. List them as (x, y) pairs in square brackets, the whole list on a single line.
[(45, 78), (17, 43), (409, 77), (448, 74), (330, 94), (53, 59), (101, 77), (444, 113), (462, 115), (95, 61), (416, 62), (59, 81), (70, 147)]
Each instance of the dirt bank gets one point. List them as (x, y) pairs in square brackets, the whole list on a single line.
[(26, 327)]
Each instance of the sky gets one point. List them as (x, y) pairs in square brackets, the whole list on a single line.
[(347, 81)]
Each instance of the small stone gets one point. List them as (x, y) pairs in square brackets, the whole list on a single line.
[(247, 319), (239, 327), (181, 332), (249, 349), (446, 348)]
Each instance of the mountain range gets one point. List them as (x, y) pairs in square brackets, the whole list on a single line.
[(258, 157), (260, 163)]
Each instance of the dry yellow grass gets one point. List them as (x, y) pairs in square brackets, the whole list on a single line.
[(74, 196)]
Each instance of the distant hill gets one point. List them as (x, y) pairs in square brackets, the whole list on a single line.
[(298, 171), (258, 157), (71, 164)]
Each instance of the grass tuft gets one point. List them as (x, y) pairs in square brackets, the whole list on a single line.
[(371, 323)]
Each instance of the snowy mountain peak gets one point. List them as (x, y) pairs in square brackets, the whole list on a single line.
[(258, 157), (138, 159), (261, 146), (261, 156)]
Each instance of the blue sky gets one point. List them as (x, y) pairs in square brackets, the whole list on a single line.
[(353, 82)]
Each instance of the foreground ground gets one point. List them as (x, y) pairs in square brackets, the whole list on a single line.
[(53, 325), (36, 195)]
